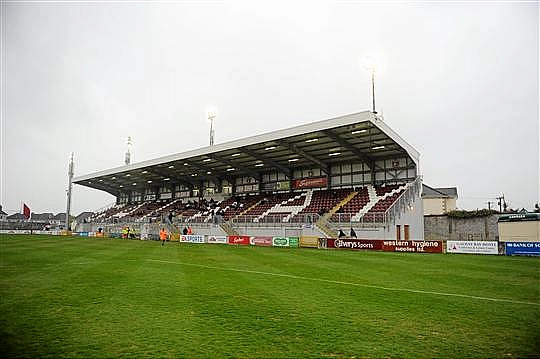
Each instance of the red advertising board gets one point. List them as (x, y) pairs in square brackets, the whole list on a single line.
[(354, 244), (310, 182), (413, 246), (261, 241), (239, 240)]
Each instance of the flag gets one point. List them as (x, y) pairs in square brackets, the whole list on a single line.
[(26, 211), (353, 233)]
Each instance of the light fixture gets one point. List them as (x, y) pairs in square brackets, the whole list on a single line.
[(113, 177), (128, 175), (143, 172), (358, 131), (134, 183), (167, 179), (230, 169), (207, 160), (269, 148), (293, 160), (149, 181), (209, 172), (186, 164), (235, 154), (377, 147), (194, 175), (100, 180), (312, 140), (89, 182), (121, 185), (334, 154), (171, 166), (259, 165)]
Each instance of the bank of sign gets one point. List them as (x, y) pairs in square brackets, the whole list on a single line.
[(522, 248)]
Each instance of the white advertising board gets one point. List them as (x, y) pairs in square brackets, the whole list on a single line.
[(472, 247), (217, 239)]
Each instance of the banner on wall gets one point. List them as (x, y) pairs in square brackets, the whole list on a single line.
[(217, 239), (522, 248), (310, 182), (472, 247), (364, 244), (242, 240), (261, 241), (413, 246)]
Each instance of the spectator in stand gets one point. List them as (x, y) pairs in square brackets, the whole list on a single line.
[(170, 217), (163, 236), (185, 231)]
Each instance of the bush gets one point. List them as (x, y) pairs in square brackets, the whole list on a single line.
[(471, 214)]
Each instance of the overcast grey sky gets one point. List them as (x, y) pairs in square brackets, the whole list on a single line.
[(458, 81)]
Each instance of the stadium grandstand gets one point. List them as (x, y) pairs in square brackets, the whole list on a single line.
[(351, 173)]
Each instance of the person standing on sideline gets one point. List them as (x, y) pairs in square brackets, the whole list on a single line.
[(163, 236)]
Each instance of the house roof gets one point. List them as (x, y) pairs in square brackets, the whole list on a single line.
[(442, 192), (42, 216)]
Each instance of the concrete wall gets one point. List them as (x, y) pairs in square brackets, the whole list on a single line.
[(438, 206), (451, 228), (413, 216)]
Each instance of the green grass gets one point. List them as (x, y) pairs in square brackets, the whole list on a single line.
[(73, 297)]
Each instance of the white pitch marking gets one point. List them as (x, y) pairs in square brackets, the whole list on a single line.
[(350, 283)]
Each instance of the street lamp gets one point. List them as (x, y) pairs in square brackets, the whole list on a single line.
[(211, 115)]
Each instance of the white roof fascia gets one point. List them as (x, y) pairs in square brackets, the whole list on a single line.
[(231, 145), (415, 155)]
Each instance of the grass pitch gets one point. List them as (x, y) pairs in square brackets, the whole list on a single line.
[(74, 297)]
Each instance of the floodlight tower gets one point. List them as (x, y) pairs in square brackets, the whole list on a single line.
[(371, 68), (211, 116), (128, 151), (70, 179)]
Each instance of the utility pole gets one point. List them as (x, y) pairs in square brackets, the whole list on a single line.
[(489, 205), (70, 178), (502, 203)]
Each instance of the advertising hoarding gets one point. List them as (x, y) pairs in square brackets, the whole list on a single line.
[(413, 246), (354, 244), (472, 247), (280, 241), (309, 241), (522, 248), (310, 182), (242, 240), (261, 241), (192, 238), (217, 239)]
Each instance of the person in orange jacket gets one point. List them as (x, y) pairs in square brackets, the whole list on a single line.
[(163, 236)]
